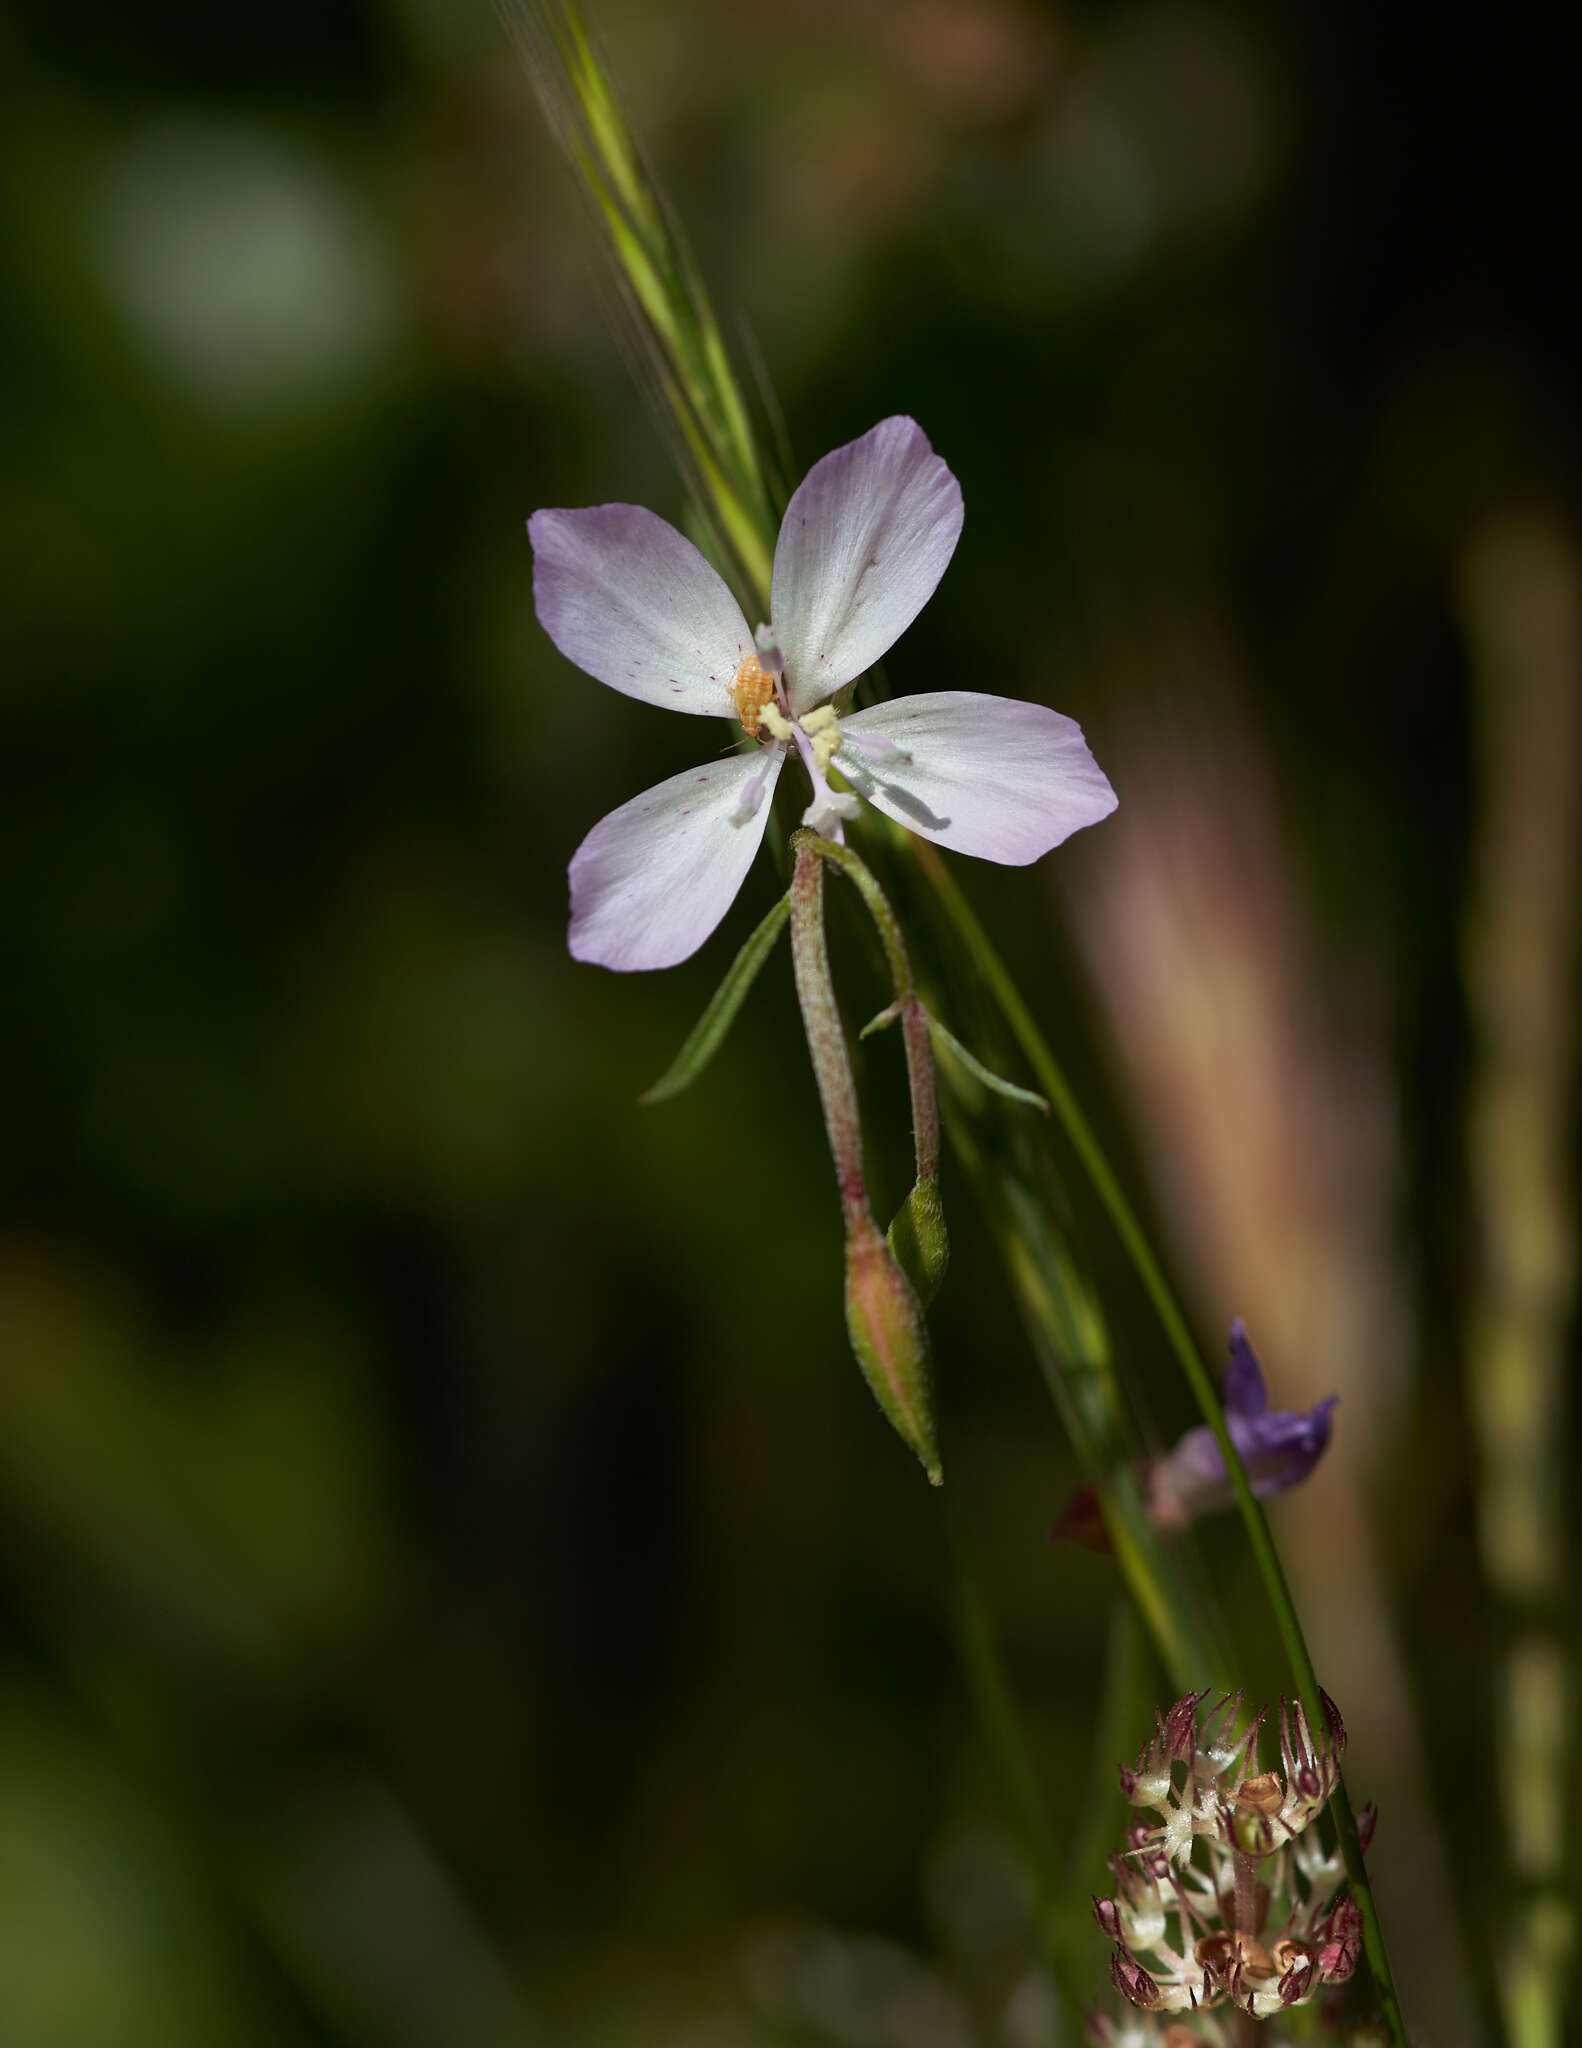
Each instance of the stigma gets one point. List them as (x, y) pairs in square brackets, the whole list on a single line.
[(823, 729)]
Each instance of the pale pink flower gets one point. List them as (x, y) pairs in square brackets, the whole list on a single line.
[(865, 539)]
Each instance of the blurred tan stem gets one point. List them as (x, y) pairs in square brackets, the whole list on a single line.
[(1522, 607)]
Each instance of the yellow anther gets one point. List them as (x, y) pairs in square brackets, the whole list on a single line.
[(817, 719), (826, 745), (775, 719)]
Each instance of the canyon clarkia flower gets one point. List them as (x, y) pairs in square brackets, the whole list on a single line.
[(865, 539)]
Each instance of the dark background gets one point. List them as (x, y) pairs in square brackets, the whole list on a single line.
[(454, 1587)]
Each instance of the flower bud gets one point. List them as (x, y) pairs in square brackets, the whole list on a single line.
[(1132, 1981), (1296, 1980), (890, 1338), (920, 1241), (1262, 1792), (1341, 1942), (1178, 1729)]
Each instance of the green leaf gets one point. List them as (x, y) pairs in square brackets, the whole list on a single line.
[(980, 1072), (708, 1034)]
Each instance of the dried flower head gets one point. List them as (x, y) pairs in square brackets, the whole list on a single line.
[(1133, 2029), (1229, 1896)]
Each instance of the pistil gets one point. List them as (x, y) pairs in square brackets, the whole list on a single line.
[(827, 813)]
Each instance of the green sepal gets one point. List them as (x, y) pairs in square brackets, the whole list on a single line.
[(708, 1034), (979, 1072), (889, 1336), (920, 1241)]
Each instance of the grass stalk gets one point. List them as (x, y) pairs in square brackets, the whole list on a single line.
[(692, 387)]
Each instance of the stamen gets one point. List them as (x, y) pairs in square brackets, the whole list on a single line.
[(779, 726), (769, 651)]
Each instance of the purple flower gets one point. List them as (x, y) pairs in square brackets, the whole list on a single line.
[(865, 539), (1279, 1447)]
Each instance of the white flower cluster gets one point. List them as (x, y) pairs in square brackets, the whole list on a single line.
[(1203, 2030), (1228, 1898)]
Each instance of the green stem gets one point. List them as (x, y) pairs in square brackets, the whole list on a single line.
[(914, 1018), (826, 1041), (878, 904), (1106, 1185)]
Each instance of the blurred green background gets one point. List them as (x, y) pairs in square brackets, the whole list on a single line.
[(456, 1589)]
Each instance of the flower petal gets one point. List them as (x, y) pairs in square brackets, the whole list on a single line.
[(992, 776), (653, 879), (1242, 1389), (1189, 1480), (1279, 1449), (864, 541), (629, 599)]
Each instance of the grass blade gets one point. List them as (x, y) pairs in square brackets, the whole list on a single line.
[(980, 1073)]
